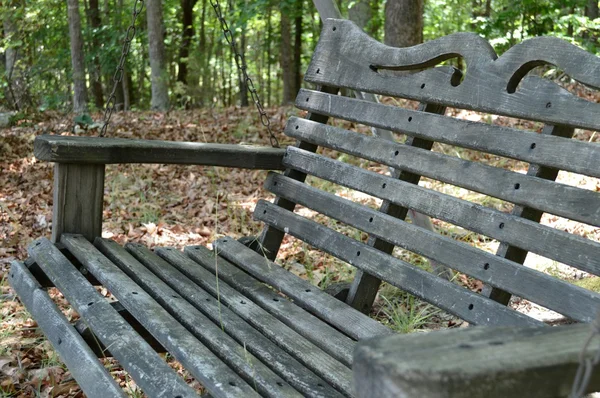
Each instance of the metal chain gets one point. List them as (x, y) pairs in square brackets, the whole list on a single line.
[(240, 62), (586, 365), (111, 104)]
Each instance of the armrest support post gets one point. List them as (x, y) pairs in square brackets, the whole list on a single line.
[(78, 200)]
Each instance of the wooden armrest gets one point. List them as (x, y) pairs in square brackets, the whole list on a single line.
[(474, 362), (95, 150)]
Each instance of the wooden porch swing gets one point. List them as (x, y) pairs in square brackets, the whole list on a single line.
[(244, 326)]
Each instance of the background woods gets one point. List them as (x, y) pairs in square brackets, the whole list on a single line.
[(62, 54)]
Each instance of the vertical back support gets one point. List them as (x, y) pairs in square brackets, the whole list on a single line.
[(78, 199)]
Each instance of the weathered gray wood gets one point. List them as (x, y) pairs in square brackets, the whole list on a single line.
[(205, 366), (575, 203), (78, 200), (549, 242), (91, 375), (482, 362), (94, 150), (459, 301), (346, 57), (550, 292), (144, 365), (321, 334), (364, 288), (96, 345), (342, 316), (270, 238), (547, 150), (514, 253), (292, 342), (247, 351)]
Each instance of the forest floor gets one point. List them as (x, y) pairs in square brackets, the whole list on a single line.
[(170, 205)]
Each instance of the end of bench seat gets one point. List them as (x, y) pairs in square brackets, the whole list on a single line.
[(479, 361), (95, 150)]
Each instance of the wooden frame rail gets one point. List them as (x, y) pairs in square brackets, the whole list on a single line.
[(475, 362)]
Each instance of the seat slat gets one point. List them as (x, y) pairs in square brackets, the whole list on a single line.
[(205, 366), (549, 242), (91, 375), (324, 336), (347, 57), (144, 365), (559, 199), (301, 348), (558, 152), (342, 316), (249, 338), (533, 285), (456, 300)]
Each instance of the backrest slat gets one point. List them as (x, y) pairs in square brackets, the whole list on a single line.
[(533, 285), (575, 203), (346, 57), (443, 294), (549, 242), (583, 158)]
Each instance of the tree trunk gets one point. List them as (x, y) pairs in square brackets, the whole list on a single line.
[(286, 59), (17, 92), (77, 58), (360, 13), (243, 88), (158, 65), (403, 22), (96, 75), (187, 7), (298, 48), (269, 38), (591, 10)]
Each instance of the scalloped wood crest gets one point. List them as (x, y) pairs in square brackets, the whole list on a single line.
[(347, 57)]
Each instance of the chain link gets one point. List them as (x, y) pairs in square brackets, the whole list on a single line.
[(240, 62), (586, 365), (111, 102)]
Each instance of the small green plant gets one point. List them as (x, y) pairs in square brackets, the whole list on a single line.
[(408, 315)]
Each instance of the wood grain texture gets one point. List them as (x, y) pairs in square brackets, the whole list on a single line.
[(514, 253), (550, 292), (563, 200), (335, 312), (320, 333), (548, 242), (346, 57), (482, 362), (90, 374), (261, 363), (144, 365), (94, 150), (553, 151), (364, 287), (78, 200), (204, 365), (292, 342), (456, 300)]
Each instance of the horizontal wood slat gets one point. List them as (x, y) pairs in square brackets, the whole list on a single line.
[(321, 334), (549, 242), (337, 313), (560, 296), (558, 152), (91, 375), (144, 365), (346, 57), (243, 348), (475, 362), (456, 300), (559, 199), (306, 352), (95, 150), (205, 366)]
